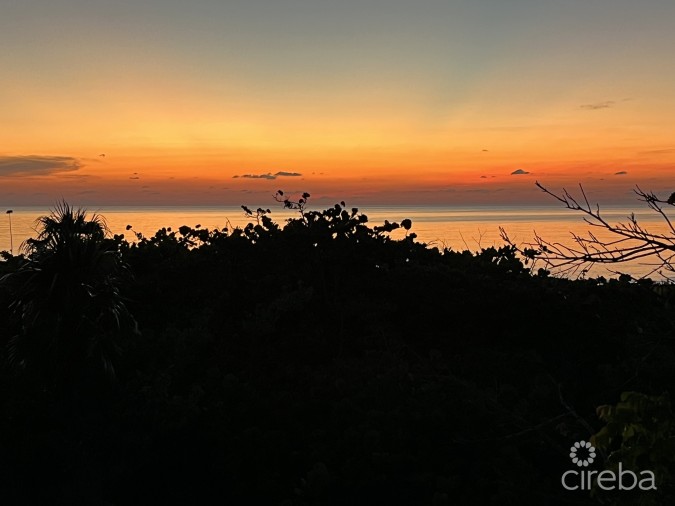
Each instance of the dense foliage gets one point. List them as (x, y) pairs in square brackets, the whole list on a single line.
[(314, 362)]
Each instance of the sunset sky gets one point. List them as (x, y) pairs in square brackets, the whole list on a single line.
[(373, 101)]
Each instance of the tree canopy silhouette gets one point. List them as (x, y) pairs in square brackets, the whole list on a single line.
[(67, 301)]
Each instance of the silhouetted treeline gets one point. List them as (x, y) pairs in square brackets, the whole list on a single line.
[(315, 362)]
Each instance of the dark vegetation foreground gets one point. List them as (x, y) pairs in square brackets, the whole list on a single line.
[(321, 363)]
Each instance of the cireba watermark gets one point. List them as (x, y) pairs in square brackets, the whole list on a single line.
[(583, 455)]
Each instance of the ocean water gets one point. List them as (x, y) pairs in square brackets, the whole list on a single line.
[(458, 228)]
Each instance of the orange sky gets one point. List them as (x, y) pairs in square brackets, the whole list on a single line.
[(434, 104)]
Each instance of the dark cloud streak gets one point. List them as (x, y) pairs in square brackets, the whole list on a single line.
[(269, 175), (598, 105), (32, 165)]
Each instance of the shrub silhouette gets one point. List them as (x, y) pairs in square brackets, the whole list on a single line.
[(639, 433), (323, 360)]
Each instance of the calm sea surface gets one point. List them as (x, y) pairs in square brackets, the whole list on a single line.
[(459, 228)]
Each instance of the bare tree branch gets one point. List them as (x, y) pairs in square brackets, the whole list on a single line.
[(629, 240)]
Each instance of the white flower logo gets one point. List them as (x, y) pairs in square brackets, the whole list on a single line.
[(580, 461)]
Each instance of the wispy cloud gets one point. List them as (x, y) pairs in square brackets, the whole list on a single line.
[(598, 105), (665, 151), (31, 165), (269, 175), (519, 172), (457, 190), (484, 190)]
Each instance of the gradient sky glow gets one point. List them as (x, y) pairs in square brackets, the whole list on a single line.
[(371, 101)]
